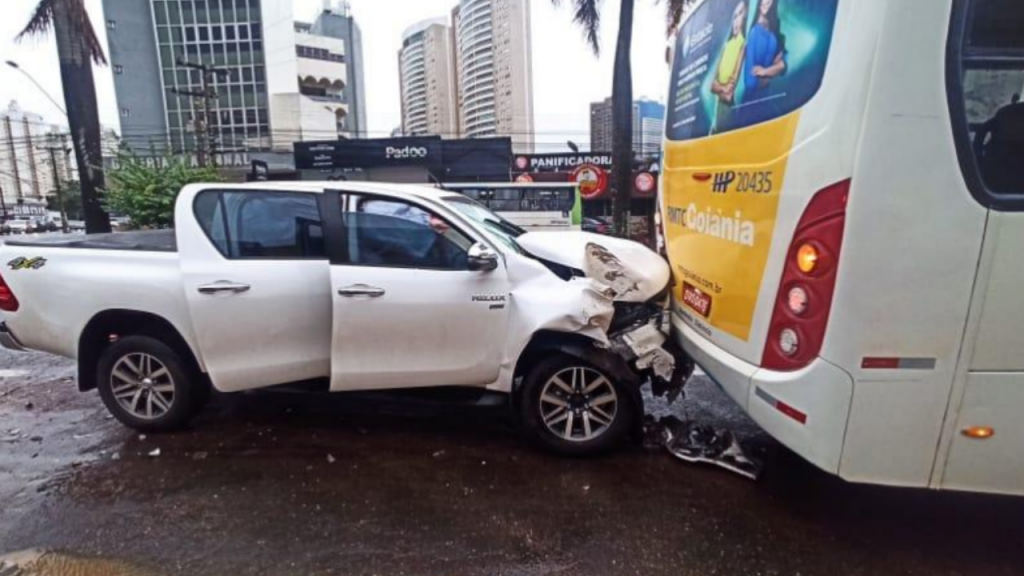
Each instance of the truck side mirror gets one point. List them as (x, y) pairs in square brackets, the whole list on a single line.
[(481, 258)]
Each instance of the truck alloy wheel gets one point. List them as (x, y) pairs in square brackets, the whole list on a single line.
[(146, 385), (573, 408), (142, 386), (578, 404)]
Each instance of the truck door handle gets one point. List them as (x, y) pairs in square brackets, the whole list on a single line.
[(222, 286), (361, 290)]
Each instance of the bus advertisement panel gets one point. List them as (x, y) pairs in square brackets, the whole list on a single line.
[(742, 71), (740, 63)]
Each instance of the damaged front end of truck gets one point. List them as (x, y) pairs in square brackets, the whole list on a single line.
[(613, 292)]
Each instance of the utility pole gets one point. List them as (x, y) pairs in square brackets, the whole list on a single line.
[(53, 150), (3, 207), (205, 123)]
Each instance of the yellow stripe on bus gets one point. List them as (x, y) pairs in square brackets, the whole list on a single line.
[(721, 203)]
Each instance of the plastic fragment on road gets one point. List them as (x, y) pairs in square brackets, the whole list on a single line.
[(697, 443)]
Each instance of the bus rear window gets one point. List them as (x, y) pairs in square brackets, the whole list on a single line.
[(743, 62), (986, 84), (997, 24)]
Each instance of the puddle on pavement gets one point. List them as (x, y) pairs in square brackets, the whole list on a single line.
[(42, 563)]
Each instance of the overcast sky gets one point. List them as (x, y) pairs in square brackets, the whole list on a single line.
[(567, 76)]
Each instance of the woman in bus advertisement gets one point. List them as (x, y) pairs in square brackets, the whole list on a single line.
[(730, 62), (764, 60)]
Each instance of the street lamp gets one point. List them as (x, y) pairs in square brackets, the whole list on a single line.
[(14, 65)]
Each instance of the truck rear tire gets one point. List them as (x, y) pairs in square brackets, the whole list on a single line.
[(147, 386), (573, 408)]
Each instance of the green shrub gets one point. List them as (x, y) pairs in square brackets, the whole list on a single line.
[(145, 189)]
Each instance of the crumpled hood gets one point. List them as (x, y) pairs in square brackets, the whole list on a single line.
[(633, 271)]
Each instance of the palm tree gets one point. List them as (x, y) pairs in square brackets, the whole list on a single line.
[(588, 16), (78, 49)]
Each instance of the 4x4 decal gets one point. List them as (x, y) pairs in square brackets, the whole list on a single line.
[(23, 263)]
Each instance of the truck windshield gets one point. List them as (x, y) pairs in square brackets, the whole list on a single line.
[(495, 226)]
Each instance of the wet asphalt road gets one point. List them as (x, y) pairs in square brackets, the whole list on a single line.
[(278, 483)]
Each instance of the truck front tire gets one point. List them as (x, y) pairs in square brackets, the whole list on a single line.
[(573, 408), (147, 386)]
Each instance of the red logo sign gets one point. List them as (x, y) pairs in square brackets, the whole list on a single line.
[(696, 299), (645, 183), (593, 181), (524, 179), (522, 163)]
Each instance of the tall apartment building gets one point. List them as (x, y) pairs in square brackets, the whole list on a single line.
[(494, 70), (26, 172), (427, 78), (648, 126), (256, 41)]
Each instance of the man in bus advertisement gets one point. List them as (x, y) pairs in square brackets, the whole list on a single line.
[(743, 62)]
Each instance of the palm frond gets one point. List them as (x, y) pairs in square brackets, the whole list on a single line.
[(41, 21), (587, 14), (674, 12), (45, 17)]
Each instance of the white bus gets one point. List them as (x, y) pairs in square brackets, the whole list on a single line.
[(533, 206), (843, 207)]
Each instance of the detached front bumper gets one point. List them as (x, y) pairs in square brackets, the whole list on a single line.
[(7, 339)]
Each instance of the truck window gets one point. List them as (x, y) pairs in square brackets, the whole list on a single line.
[(262, 225), (395, 234), (986, 83)]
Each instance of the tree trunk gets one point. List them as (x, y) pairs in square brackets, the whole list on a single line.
[(83, 115), (622, 123)]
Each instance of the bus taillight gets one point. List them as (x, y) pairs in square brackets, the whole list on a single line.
[(804, 300)]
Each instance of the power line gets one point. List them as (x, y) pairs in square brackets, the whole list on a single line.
[(206, 130)]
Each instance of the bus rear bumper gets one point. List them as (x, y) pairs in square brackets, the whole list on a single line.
[(807, 410)]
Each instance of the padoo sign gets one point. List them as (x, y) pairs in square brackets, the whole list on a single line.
[(368, 153)]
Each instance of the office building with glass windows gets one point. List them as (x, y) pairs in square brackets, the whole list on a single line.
[(648, 126), (280, 77)]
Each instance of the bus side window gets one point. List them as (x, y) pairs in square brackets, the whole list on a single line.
[(992, 81)]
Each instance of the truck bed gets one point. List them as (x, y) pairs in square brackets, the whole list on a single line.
[(142, 241)]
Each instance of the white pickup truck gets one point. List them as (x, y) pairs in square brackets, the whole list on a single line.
[(355, 287)]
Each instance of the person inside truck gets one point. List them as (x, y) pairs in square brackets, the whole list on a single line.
[(398, 234)]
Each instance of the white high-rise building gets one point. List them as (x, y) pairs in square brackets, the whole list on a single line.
[(427, 75), (493, 60), (26, 172)]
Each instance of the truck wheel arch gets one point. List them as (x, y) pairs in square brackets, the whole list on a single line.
[(98, 332), (546, 342)]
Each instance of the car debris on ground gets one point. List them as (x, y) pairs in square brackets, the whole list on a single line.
[(698, 443), (627, 310)]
